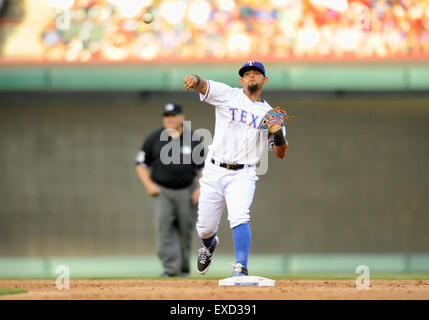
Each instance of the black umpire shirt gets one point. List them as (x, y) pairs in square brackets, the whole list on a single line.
[(173, 164)]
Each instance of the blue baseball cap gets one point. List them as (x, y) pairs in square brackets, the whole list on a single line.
[(252, 64)]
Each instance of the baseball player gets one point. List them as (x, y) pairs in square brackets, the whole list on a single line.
[(229, 173)]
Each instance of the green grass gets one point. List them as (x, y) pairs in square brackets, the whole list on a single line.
[(11, 291)]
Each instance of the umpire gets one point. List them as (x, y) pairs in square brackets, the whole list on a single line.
[(172, 185)]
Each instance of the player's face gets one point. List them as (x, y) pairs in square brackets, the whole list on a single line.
[(253, 80), (173, 121)]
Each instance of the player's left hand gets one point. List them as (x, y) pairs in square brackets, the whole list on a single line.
[(274, 128), (273, 120)]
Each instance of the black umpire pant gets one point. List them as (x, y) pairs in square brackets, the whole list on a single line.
[(175, 218)]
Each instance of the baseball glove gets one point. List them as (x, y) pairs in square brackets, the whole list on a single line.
[(272, 117)]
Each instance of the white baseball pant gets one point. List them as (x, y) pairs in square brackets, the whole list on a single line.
[(220, 186)]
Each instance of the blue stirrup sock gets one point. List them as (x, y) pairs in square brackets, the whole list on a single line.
[(242, 237), (208, 243)]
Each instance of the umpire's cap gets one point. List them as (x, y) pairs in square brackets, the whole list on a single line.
[(172, 109), (252, 64)]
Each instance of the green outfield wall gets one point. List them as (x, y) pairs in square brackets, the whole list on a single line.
[(263, 265), (291, 76)]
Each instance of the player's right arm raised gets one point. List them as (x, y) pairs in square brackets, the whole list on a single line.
[(193, 81)]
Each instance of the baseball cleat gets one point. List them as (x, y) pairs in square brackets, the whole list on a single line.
[(205, 257), (239, 270)]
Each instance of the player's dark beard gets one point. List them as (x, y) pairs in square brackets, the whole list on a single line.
[(252, 87)]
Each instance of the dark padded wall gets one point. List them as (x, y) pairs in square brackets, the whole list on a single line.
[(355, 178)]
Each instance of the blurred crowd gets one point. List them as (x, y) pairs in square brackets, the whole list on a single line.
[(85, 30)]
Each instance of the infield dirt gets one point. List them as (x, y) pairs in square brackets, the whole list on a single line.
[(192, 289)]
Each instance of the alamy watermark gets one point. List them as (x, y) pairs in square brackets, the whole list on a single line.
[(174, 153), (362, 281), (63, 20), (63, 280)]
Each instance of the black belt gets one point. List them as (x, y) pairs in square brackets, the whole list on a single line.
[(230, 166)]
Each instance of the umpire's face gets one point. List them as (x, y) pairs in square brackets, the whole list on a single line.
[(173, 121)]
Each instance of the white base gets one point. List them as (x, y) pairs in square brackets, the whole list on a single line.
[(248, 281)]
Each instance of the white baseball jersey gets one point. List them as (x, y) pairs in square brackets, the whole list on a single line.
[(236, 138)]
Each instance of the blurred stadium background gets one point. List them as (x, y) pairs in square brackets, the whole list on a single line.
[(82, 83)]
